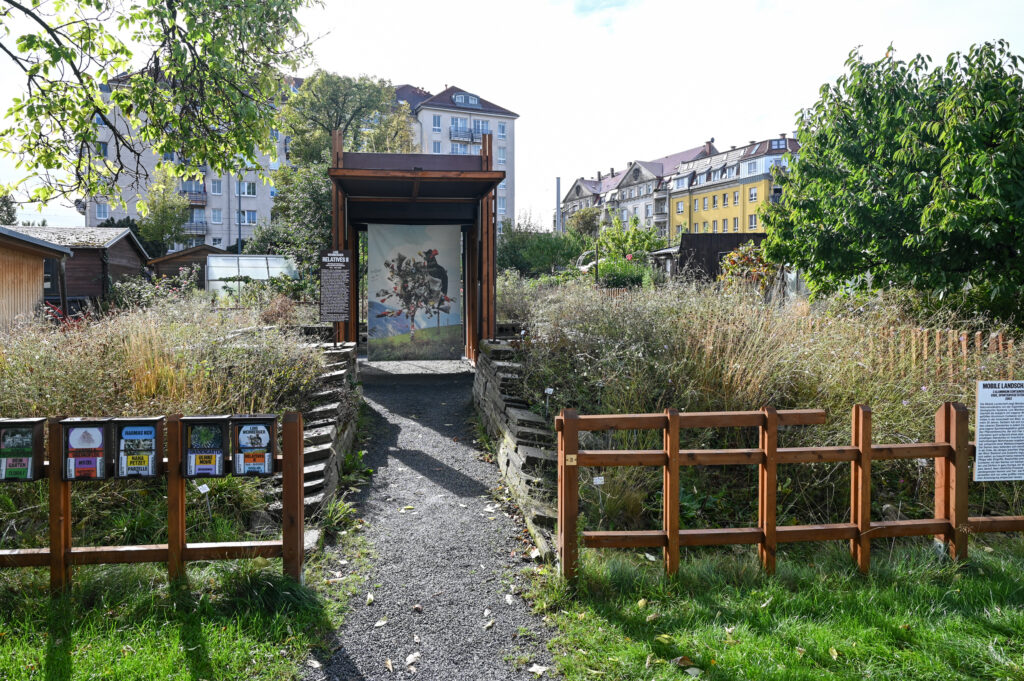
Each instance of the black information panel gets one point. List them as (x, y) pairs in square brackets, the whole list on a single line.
[(335, 279)]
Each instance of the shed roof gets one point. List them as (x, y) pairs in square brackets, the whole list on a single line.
[(201, 248), (18, 235), (84, 237)]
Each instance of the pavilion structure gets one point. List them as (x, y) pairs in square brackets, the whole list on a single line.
[(421, 189)]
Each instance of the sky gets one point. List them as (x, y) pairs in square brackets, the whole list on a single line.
[(598, 83)]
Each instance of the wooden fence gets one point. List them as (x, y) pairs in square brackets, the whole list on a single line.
[(61, 555), (951, 451)]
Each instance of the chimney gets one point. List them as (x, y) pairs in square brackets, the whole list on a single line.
[(611, 172), (598, 175), (707, 148), (782, 135), (752, 142), (733, 146)]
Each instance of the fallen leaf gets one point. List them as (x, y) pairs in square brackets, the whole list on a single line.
[(663, 638), (642, 603), (834, 653), (391, 667), (647, 664), (412, 659), (408, 508), (765, 604), (653, 616), (509, 599), (369, 599), (489, 624), (537, 669), (415, 638), (694, 671), (313, 663), (381, 622), (594, 671), (487, 612)]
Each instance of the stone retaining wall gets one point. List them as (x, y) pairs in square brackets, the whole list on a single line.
[(525, 442)]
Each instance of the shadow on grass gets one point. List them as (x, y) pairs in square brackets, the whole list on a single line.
[(58, 642)]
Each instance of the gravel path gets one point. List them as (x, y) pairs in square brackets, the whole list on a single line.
[(455, 552)]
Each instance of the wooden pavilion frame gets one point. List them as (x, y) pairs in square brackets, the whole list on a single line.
[(421, 189)]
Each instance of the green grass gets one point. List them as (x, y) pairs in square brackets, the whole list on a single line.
[(916, 616), (445, 342), (234, 619)]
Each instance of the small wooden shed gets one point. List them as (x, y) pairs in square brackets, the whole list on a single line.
[(22, 278), (102, 256), (168, 265)]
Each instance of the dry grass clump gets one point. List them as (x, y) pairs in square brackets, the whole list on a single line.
[(698, 348)]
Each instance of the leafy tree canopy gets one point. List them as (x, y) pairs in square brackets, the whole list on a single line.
[(585, 221), (363, 109), (913, 176), (523, 247), (618, 240), (199, 78), (163, 224), (8, 209)]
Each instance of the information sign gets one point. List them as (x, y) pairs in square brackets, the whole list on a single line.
[(206, 444), (86, 448), (255, 444), (335, 280), (21, 449), (139, 446), (999, 428)]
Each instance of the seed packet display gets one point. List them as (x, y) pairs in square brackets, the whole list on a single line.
[(205, 447), (255, 441), (20, 447), (139, 447), (85, 449)]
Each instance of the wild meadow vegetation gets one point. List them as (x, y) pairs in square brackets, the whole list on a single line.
[(169, 353)]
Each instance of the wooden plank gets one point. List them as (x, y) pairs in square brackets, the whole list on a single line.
[(670, 492), (568, 493), (625, 540), (714, 419), (862, 423), (1012, 523), (720, 457), (907, 528), (916, 450), (621, 457), (417, 175), (942, 471), (957, 480), (292, 511), (175, 501), (109, 555), (60, 511), (769, 434), (10, 558), (799, 533), (721, 536), (234, 550), (816, 454)]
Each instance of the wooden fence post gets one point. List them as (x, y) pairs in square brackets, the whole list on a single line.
[(942, 429), (768, 487), (958, 477), (670, 493), (175, 501), (860, 487), (292, 509), (568, 492), (60, 510)]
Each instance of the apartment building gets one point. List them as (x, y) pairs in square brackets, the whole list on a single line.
[(722, 192), (639, 191), (454, 121)]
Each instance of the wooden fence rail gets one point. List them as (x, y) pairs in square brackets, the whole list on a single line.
[(951, 451), (61, 555)]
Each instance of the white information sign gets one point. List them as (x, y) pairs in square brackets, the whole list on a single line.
[(999, 427)]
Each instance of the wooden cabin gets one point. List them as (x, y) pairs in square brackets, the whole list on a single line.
[(101, 256), (168, 265), (22, 272)]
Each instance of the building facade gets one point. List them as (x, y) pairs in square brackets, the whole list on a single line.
[(454, 121)]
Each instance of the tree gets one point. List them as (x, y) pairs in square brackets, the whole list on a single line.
[(523, 247), (327, 102), (8, 209), (199, 78), (167, 211), (585, 221), (619, 241), (391, 134), (912, 176)]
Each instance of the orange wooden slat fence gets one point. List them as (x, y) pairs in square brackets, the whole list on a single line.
[(62, 555), (951, 451)]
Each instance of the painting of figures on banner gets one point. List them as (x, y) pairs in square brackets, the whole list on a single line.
[(414, 288)]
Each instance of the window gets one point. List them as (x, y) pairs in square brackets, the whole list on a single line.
[(102, 211), (275, 135), (725, 199), (273, 192), (501, 156), (625, 214), (473, 99), (504, 184), (753, 194), (216, 217), (679, 207), (215, 187), (245, 217), (680, 183), (217, 241), (98, 120), (475, 149), (705, 203), (482, 127), (501, 205), (714, 226), (735, 224), (460, 123), (705, 226), (736, 198), (779, 144), (753, 221), (168, 155), (502, 131), (752, 168), (243, 188), (460, 148), (101, 149), (460, 99), (192, 186), (695, 204), (714, 201), (436, 147), (647, 210), (198, 215), (436, 122)]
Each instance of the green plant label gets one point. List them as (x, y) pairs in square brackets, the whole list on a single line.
[(16, 454), (205, 454)]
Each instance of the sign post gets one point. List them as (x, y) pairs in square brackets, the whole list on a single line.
[(1000, 431)]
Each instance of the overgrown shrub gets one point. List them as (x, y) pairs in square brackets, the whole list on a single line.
[(136, 292), (621, 273)]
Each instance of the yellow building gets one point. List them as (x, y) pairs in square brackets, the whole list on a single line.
[(722, 193)]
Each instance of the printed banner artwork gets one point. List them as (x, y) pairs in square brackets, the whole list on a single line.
[(16, 453), (85, 455), (136, 451), (255, 454), (204, 456), (414, 287)]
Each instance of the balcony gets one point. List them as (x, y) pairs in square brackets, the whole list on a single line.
[(195, 198), (197, 227), (456, 133), (660, 210)]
